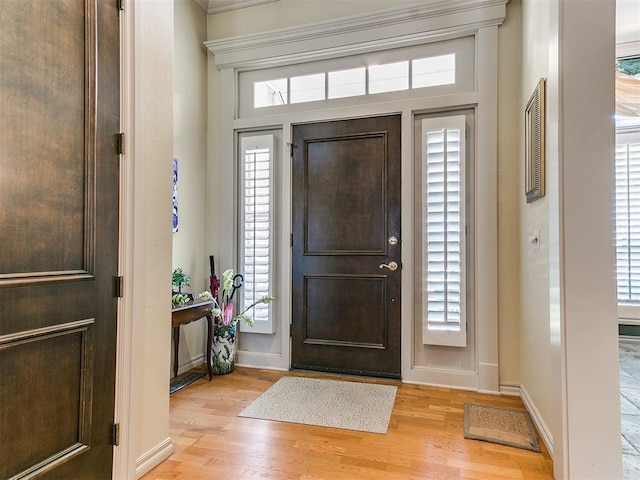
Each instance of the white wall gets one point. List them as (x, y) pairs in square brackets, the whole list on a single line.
[(586, 258), (569, 328), (150, 148), (535, 347), (148, 108), (509, 193), (190, 250)]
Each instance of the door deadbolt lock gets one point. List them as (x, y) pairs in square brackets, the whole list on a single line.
[(393, 266), (393, 240)]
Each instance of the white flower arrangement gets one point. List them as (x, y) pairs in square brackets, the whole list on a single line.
[(223, 312)]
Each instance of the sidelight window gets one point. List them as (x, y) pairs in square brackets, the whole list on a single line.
[(443, 231), (627, 221), (256, 242)]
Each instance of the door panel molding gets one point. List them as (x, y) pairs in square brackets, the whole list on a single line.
[(39, 278), (380, 308), (66, 398), (326, 187), (56, 253), (9, 340)]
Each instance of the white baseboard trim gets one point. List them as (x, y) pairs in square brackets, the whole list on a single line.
[(270, 361), (545, 433), (154, 457), (436, 377), (488, 378), (438, 385), (510, 389), (192, 363)]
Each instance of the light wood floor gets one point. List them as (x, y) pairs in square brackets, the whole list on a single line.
[(424, 441)]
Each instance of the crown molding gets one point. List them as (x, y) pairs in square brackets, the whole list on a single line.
[(420, 23), (203, 4), (218, 6)]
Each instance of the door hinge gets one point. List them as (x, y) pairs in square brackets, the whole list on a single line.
[(118, 287), (291, 239), (120, 142), (115, 434), (291, 150), (121, 5)]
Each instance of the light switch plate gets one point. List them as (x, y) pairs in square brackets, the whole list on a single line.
[(534, 239)]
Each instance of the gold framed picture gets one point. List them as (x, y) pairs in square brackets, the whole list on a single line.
[(534, 144)]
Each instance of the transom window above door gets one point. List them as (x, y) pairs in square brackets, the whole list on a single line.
[(387, 77), (442, 67)]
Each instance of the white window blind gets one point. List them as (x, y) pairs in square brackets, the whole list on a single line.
[(443, 231), (256, 227), (627, 219)]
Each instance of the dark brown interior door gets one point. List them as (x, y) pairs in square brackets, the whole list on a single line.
[(59, 181), (346, 209)]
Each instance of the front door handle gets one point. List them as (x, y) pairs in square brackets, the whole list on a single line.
[(393, 266)]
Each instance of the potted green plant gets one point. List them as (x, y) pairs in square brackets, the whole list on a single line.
[(179, 278)]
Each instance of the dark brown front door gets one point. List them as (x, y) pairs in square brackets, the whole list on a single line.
[(346, 208), (59, 180)]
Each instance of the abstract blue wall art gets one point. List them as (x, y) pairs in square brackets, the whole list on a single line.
[(175, 195)]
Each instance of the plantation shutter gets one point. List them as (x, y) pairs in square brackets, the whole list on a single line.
[(256, 228), (627, 220), (443, 231)]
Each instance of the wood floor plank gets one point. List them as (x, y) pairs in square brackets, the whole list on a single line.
[(424, 441)]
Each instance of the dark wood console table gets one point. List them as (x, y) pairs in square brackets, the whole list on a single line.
[(192, 311)]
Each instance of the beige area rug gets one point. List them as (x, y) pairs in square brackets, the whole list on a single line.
[(365, 407), (506, 426)]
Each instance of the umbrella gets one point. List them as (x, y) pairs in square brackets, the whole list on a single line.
[(214, 284), (237, 282)]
